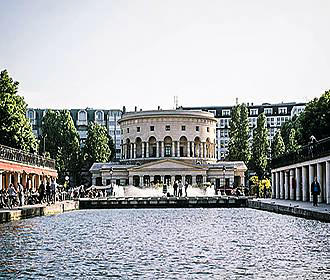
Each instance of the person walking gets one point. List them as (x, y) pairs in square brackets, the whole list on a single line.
[(315, 190), (11, 195), (180, 188), (41, 192), (48, 192), (20, 194), (186, 188), (175, 188)]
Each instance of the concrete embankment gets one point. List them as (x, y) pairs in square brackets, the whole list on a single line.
[(298, 209), (37, 210), (163, 202)]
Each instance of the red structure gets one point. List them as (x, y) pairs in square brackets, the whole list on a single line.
[(28, 169)]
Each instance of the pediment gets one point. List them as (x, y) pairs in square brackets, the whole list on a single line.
[(168, 164)]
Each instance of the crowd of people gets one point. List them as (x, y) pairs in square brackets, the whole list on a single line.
[(16, 196)]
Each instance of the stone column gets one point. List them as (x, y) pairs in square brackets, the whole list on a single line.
[(172, 179), (292, 178), (162, 148), (130, 180), (188, 148), (327, 176), (320, 180), (147, 149), (134, 150), (278, 186), (143, 148), (204, 150), (304, 180), (193, 179), (311, 178), (286, 185), (193, 149), (281, 184), (273, 185), (298, 184), (173, 149), (178, 149)]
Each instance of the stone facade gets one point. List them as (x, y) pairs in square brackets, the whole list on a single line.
[(164, 146)]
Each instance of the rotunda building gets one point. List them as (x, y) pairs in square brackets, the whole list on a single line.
[(177, 134), (164, 146)]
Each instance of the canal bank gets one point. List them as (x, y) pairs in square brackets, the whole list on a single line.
[(294, 208), (30, 211)]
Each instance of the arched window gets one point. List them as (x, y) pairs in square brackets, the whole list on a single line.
[(82, 115), (167, 146), (99, 115)]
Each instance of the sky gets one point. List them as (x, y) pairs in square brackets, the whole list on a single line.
[(109, 54)]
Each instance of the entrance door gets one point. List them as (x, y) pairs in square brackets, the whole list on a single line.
[(136, 181)]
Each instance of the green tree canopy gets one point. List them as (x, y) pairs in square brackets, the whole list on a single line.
[(62, 141), (293, 145), (278, 147), (315, 120), (260, 147), (239, 147), (97, 146), (15, 128)]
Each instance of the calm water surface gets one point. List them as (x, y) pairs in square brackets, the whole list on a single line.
[(165, 244)]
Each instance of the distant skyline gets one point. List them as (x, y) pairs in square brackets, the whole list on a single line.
[(109, 54)]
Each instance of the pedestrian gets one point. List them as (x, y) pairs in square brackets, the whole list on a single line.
[(315, 190), (48, 192), (175, 188), (20, 194), (186, 188), (180, 188), (41, 192), (11, 195)]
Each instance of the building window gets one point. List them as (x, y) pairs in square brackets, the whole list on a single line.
[(152, 128), (183, 128), (282, 110), (167, 128), (138, 129), (197, 128), (253, 112), (128, 130), (167, 151), (99, 116), (226, 112), (82, 116), (208, 129), (31, 115), (268, 111)]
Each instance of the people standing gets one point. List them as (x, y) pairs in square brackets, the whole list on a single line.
[(41, 191), (11, 195), (175, 188), (186, 188), (315, 190), (48, 192), (180, 188), (20, 194)]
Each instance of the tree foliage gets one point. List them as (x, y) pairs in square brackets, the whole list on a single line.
[(278, 147), (15, 127), (97, 146), (292, 143), (62, 141), (315, 120), (260, 147), (239, 147)]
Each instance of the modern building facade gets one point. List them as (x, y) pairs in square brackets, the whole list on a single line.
[(168, 145), (276, 115), (81, 119)]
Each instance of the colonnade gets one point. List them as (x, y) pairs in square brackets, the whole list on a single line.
[(294, 182), (29, 181), (160, 149)]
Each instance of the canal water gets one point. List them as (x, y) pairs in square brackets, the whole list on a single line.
[(165, 244)]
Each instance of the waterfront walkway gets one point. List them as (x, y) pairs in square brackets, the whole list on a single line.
[(30, 211), (295, 208)]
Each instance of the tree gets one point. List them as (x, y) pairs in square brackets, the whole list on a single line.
[(233, 149), (292, 143), (15, 127), (243, 132), (62, 142), (239, 147), (260, 147), (97, 145), (278, 147)]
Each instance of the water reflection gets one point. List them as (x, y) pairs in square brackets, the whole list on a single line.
[(165, 244)]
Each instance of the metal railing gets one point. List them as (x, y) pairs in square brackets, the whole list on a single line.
[(311, 151), (11, 154)]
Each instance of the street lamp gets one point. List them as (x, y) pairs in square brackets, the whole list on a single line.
[(224, 179), (111, 189)]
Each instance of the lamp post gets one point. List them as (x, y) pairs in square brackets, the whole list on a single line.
[(224, 179), (111, 189)]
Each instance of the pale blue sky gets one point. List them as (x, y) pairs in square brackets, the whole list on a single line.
[(106, 54)]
